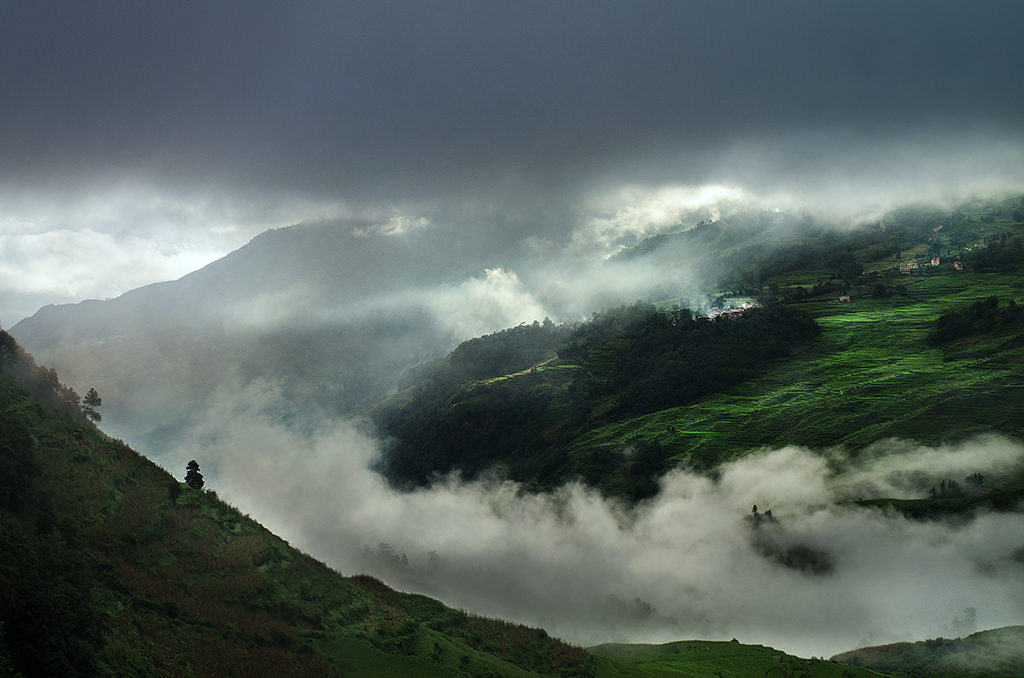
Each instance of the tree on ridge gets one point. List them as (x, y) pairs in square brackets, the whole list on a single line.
[(193, 478), (90, 402)]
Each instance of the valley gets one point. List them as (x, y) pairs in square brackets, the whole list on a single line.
[(634, 441), (576, 339), (115, 568)]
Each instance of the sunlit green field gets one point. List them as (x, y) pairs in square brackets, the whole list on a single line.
[(869, 375)]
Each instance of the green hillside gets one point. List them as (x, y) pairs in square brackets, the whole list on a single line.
[(929, 353), (625, 362), (712, 658), (112, 567), (995, 652)]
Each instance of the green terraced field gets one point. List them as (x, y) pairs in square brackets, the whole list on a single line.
[(625, 399), (869, 375)]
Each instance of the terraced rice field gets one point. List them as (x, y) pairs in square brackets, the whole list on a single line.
[(869, 375)]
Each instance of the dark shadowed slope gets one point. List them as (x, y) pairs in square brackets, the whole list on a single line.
[(112, 567)]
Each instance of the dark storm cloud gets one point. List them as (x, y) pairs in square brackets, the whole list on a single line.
[(417, 98), (164, 135)]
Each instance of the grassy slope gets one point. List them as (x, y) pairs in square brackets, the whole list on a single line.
[(174, 582), (712, 658), (161, 579), (869, 375)]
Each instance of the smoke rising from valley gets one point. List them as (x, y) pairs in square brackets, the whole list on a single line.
[(826, 576)]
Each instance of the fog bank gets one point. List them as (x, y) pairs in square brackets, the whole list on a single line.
[(824, 578)]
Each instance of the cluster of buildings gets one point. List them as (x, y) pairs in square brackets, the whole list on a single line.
[(912, 266), (935, 261)]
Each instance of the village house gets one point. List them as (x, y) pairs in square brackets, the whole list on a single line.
[(844, 299)]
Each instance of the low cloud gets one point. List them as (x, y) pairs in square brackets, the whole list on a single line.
[(480, 304), (632, 213), (906, 470), (572, 288), (489, 301), (62, 262), (846, 176), (397, 225), (686, 564)]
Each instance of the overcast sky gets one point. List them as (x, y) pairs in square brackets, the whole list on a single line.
[(141, 140)]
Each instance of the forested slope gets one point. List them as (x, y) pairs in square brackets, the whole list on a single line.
[(906, 328), (524, 413)]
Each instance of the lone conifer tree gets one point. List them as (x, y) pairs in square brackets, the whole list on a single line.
[(193, 478), (90, 402)]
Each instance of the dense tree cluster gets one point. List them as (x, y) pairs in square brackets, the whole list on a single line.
[(492, 355), (1002, 254), (947, 489), (657, 359), (18, 465), (44, 383), (509, 350), (427, 439), (48, 625), (626, 361), (773, 542), (981, 317)]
